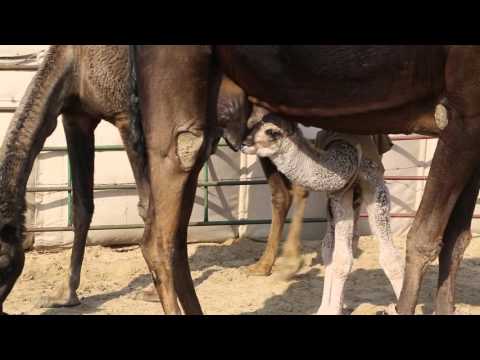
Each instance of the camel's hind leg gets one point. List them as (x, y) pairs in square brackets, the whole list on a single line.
[(292, 247), (447, 179), (454, 162), (456, 239), (281, 202), (79, 131), (377, 197), (338, 259)]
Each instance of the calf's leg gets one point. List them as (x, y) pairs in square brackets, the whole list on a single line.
[(338, 263)]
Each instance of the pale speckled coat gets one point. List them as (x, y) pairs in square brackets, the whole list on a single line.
[(337, 165)]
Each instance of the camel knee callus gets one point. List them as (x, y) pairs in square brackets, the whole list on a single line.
[(188, 148)]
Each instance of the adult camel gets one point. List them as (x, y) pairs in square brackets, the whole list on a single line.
[(358, 89), (85, 84)]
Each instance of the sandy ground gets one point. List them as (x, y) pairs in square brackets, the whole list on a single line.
[(111, 278)]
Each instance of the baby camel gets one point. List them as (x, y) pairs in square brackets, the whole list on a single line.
[(336, 165)]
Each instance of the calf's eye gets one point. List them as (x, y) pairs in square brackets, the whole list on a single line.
[(273, 134)]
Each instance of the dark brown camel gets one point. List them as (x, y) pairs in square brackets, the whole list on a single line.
[(357, 89), (84, 84)]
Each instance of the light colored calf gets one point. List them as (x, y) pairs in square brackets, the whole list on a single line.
[(336, 165)]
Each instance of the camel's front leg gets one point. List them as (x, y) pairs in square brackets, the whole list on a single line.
[(338, 257), (79, 131), (174, 84)]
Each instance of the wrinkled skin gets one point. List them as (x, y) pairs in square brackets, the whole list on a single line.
[(356, 89)]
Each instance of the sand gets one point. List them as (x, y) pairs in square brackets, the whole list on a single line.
[(112, 277)]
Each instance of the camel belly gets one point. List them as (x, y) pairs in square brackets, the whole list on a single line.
[(329, 81)]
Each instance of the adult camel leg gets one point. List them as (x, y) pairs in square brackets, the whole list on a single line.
[(174, 84), (456, 239), (448, 176), (79, 132), (281, 202), (138, 162), (34, 120), (441, 193), (292, 247), (338, 263)]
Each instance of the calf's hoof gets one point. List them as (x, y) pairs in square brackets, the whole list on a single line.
[(259, 269)]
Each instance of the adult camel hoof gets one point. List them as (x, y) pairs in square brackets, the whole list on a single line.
[(150, 294), (51, 302), (290, 268), (259, 269)]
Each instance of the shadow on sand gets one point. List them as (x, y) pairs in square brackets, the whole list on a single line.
[(303, 295)]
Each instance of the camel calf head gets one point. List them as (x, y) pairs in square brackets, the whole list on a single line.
[(268, 136)]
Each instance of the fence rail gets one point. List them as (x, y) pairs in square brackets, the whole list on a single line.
[(201, 184)]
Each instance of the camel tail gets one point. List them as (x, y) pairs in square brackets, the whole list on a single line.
[(137, 136)]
